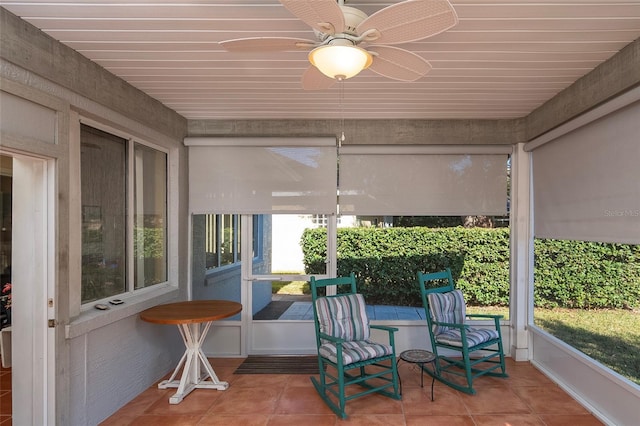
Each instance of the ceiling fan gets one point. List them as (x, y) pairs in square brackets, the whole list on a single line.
[(339, 29)]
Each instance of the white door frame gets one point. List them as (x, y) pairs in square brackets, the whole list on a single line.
[(278, 337), (33, 286)]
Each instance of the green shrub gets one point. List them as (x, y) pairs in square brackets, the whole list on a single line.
[(578, 274), (385, 260), (568, 273)]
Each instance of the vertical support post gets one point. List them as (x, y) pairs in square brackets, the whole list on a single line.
[(521, 300)]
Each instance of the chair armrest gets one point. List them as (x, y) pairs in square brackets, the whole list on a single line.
[(390, 330), (485, 316), (336, 340), (496, 318), (384, 327)]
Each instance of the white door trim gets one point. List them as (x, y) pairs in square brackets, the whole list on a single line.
[(33, 283)]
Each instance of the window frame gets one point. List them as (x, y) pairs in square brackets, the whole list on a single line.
[(131, 293)]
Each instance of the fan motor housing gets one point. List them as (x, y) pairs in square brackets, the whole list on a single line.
[(352, 18)]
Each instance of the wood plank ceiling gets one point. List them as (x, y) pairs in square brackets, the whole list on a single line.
[(504, 58)]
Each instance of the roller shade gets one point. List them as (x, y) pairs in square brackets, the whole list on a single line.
[(423, 183), (586, 183), (262, 175)]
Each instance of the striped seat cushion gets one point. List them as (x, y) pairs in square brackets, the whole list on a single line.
[(355, 351), (343, 316), (475, 336), (446, 307)]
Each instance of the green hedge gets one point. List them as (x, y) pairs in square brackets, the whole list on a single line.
[(577, 274), (385, 261)]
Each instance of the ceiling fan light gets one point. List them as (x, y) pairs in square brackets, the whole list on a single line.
[(340, 62)]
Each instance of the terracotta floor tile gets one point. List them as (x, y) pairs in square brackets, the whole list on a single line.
[(197, 402), (410, 375), (495, 400), (302, 419), (374, 420), (225, 373), (570, 420), (549, 400), (299, 380), (374, 404), (145, 400), (416, 420), (417, 401), (5, 403), (225, 362), (260, 380), (527, 375), (5, 380), (490, 381), (301, 400), (239, 400), (235, 420), (165, 420), (509, 419), (118, 419)]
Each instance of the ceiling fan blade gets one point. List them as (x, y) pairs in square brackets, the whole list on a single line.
[(313, 79), (267, 44), (322, 15), (398, 64), (409, 20)]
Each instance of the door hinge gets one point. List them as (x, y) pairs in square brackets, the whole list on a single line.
[(52, 323)]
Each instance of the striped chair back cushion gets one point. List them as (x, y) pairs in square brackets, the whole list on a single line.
[(344, 317), (446, 307)]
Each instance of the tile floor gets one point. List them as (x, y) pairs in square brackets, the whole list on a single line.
[(527, 398), (5, 396)]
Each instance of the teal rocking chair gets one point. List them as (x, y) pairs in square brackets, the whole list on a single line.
[(346, 355), (462, 353)]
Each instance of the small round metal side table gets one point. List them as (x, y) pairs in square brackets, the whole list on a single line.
[(419, 357)]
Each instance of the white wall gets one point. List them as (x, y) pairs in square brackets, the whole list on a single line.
[(286, 233)]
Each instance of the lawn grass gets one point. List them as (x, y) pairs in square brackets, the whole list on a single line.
[(290, 287), (610, 336)]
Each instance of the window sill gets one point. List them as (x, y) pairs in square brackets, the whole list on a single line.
[(91, 318)]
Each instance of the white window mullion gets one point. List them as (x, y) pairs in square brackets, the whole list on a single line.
[(130, 216)]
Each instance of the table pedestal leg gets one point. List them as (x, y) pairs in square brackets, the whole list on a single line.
[(193, 360)]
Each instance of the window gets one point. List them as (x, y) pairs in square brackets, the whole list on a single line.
[(150, 216), (319, 220), (222, 242), (112, 169)]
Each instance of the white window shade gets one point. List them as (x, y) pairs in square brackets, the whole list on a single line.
[(423, 184), (587, 182), (268, 175)]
